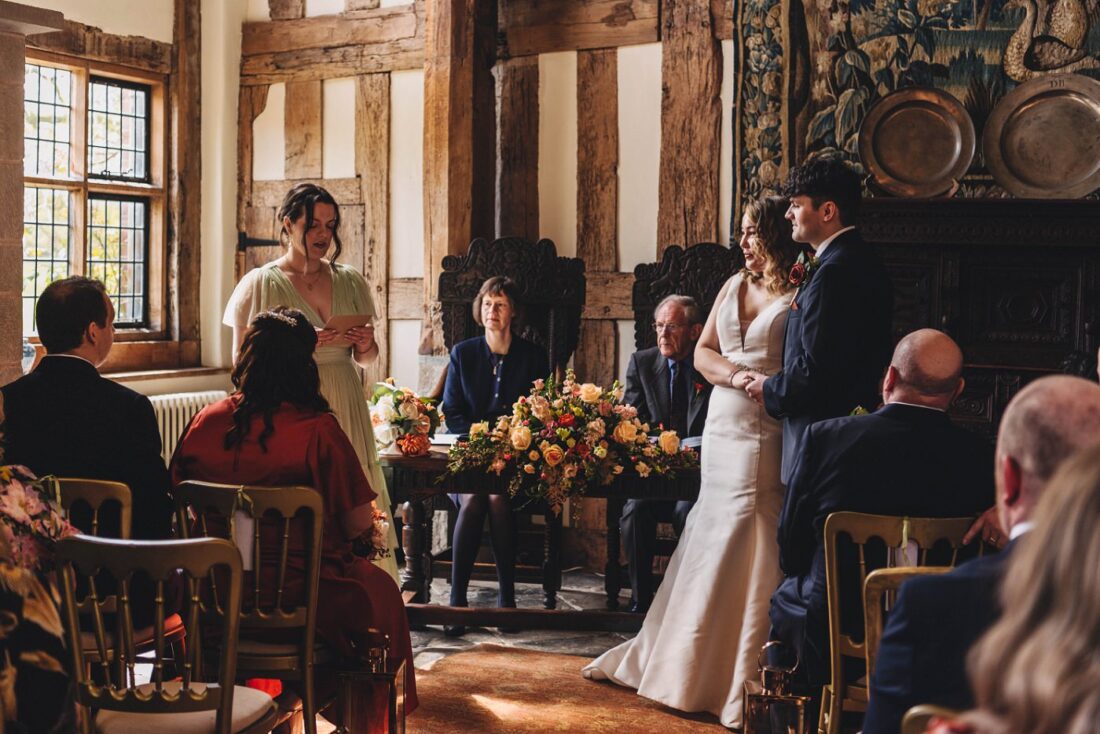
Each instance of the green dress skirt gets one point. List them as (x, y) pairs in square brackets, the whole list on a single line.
[(266, 287)]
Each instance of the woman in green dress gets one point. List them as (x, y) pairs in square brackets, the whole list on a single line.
[(308, 278)]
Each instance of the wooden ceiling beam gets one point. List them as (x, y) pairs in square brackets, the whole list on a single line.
[(534, 26)]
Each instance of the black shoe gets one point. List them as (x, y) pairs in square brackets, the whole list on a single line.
[(638, 608), (507, 605), (454, 630)]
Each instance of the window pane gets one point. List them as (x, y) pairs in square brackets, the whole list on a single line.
[(46, 218), (118, 132), (116, 253), (47, 133)]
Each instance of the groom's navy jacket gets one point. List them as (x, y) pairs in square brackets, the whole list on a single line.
[(836, 345), (901, 460)]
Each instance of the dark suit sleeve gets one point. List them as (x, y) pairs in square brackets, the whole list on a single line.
[(147, 476), (830, 338), (892, 682), (634, 394), (456, 408), (797, 542)]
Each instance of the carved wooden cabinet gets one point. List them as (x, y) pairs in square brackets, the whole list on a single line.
[(1015, 282)]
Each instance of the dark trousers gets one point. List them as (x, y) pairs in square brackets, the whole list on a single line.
[(639, 529)]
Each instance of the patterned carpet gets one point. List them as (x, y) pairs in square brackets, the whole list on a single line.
[(492, 689)]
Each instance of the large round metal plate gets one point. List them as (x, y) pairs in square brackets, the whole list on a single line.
[(1042, 140), (917, 142)]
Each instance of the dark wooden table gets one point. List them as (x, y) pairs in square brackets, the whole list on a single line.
[(421, 482)]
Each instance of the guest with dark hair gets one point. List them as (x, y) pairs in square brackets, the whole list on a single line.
[(486, 375), (277, 430), (308, 278)]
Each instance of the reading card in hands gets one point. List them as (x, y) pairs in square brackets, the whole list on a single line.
[(342, 322)]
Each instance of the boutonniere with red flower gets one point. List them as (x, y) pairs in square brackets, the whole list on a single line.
[(699, 388), (802, 269)]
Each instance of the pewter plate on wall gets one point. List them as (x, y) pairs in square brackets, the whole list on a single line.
[(1042, 139), (917, 142)]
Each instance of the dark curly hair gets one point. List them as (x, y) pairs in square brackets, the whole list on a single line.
[(300, 202), (827, 179), (275, 366), (773, 242)]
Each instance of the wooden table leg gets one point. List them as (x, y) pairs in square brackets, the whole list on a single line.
[(551, 564), (413, 539), (612, 579)]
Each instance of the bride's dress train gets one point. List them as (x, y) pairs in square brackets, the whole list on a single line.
[(709, 619)]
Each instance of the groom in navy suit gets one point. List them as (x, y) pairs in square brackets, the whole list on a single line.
[(837, 340)]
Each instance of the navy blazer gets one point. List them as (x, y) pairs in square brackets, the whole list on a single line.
[(836, 345), (468, 392), (900, 460), (65, 419), (929, 631), (646, 389)]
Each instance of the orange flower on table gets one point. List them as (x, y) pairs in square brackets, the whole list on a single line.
[(642, 468), (521, 438), (414, 444), (590, 393), (669, 442), (553, 454), (625, 432), (479, 428)]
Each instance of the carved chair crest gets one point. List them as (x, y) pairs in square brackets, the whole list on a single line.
[(698, 271), (552, 289)]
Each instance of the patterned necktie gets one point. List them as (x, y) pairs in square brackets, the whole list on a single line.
[(678, 400)]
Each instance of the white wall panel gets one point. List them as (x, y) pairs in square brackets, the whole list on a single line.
[(338, 128), (626, 348), (324, 7), (404, 342), (407, 174), (725, 174), (269, 138), (148, 18), (258, 11), (558, 150), (639, 152)]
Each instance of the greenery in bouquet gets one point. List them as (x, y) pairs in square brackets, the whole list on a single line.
[(31, 522), (399, 415), (565, 437)]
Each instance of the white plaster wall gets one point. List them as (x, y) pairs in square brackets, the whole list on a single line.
[(221, 61), (626, 348), (639, 153), (725, 173), (258, 11), (269, 138), (407, 175), (393, 3), (338, 128), (149, 18), (558, 150), (324, 7), (404, 343)]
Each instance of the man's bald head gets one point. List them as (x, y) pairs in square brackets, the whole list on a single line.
[(926, 369), (1045, 423)]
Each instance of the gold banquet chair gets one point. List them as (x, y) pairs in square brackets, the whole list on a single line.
[(916, 719), (122, 704), (860, 529), (268, 609), (880, 591)]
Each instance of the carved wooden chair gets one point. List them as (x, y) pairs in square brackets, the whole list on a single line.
[(552, 289), (117, 702), (215, 510), (855, 544)]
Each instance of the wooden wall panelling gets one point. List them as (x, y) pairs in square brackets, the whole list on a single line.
[(518, 149), (609, 295), (271, 193), (372, 165), (406, 298), (531, 27), (303, 129), (259, 222), (364, 28), (286, 9), (185, 187), (360, 4), (721, 12), (452, 116), (332, 63), (251, 102), (91, 43), (691, 122)]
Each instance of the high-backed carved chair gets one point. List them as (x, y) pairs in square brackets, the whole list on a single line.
[(207, 509), (856, 544), (552, 289), (117, 701)]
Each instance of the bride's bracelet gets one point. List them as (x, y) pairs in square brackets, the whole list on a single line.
[(738, 367)]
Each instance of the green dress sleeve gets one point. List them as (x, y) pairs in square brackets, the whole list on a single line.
[(359, 291)]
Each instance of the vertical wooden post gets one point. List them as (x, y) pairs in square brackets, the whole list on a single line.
[(302, 123), (518, 152), (372, 165), (185, 191), (691, 123), (459, 130)]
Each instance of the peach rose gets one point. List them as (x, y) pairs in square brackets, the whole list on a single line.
[(529, 468), (540, 408), (669, 442), (521, 437), (625, 432), (590, 393), (642, 468), (553, 454), (479, 428)]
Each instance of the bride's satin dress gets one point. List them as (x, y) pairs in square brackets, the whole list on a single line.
[(700, 639)]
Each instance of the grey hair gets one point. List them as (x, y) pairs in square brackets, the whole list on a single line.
[(691, 307)]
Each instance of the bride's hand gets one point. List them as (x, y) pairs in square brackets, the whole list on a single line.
[(742, 379)]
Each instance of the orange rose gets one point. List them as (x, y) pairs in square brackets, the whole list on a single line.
[(553, 454)]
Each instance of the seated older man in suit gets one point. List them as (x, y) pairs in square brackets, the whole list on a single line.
[(922, 657), (906, 458), (65, 419), (661, 382)]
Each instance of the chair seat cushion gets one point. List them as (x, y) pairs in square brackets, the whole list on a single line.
[(258, 649), (249, 707)]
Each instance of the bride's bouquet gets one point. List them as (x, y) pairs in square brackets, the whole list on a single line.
[(565, 437), (400, 416)]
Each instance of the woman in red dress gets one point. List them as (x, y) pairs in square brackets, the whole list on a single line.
[(277, 430)]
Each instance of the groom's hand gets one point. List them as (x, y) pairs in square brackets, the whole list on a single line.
[(755, 389)]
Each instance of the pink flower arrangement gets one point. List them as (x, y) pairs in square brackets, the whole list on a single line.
[(565, 437), (31, 522)]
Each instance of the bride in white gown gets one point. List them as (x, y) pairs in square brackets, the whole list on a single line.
[(700, 640)]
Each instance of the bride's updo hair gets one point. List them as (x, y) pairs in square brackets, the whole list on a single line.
[(772, 242)]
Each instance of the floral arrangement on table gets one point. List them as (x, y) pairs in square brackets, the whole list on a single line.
[(400, 416), (31, 522), (565, 437)]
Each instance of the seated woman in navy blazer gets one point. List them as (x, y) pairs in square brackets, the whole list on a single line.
[(486, 376)]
